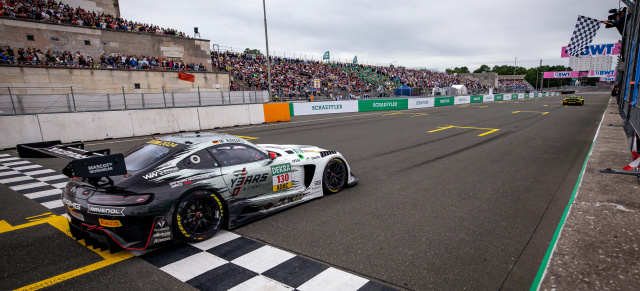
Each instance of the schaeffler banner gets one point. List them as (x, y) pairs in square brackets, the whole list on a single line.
[(597, 50)]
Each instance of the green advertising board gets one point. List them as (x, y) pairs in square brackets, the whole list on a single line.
[(477, 99), (381, 105), (497, 97), (526, 95), (291, 109), (514, 96), (444, 101)]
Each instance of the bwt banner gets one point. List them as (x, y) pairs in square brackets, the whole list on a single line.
[(597, 50), (608, 79), (579, 74), (605, 73), (566, 74)]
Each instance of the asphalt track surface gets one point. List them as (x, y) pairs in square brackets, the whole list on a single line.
[(463, 207)]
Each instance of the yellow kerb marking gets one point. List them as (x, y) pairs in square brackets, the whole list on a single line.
[(541, 112), (62, 224), (489, 130), (28, 218), (414, 114)]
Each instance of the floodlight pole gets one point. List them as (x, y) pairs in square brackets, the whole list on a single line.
[(266, 38), (515, 62)]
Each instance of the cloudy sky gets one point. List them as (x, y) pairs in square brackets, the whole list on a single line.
[(430, 34)]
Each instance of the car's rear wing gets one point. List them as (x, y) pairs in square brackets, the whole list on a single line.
[(86, 164)]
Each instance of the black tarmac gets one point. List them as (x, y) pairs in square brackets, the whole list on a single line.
[(463, 207)]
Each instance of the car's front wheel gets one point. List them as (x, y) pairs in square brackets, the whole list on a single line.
[(335, 176), (198, 217)]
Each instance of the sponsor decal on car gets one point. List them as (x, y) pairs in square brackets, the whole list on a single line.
[(281, 177), (162, 172), (100, 168), (234, 140), (250, 180), (189, 180), (69, 203), (163, 143), (106, 210), (110, 223), (285, 201)]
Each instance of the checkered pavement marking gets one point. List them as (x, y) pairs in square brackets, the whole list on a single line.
[(226, 261)]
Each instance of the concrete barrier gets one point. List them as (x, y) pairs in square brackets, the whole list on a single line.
[(256, 113), (223, 116), (83, 126), (274, 112), (19, 129), (146, 122)]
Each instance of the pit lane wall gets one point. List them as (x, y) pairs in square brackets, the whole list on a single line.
[(330, 107), (86, 126)]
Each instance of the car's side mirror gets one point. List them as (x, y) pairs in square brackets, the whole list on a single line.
[(273, 155)]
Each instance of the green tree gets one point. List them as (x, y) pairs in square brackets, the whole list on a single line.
[(483, 68), (252, 51), (459, 70)]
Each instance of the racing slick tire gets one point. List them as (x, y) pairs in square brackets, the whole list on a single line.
[(198, 217), (334, 176), (581, 102)]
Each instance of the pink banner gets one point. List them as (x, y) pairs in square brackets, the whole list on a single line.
[(597, 50), (599, 74), (566, 74)]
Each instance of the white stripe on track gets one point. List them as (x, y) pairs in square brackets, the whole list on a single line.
[(8, 160), (53, 204), (38, 172), (44, 193), (27, 167), (334, 279), (16, 179), (27, 186), (9, 173), (59, 185), (193, 266), (54, 177), (16, 163)]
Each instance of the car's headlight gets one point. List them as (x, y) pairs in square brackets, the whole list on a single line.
[(115, 199)]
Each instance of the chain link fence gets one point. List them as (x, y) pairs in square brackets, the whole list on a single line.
[(63, 99)]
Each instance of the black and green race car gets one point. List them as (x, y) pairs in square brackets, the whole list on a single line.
[(576, 100)]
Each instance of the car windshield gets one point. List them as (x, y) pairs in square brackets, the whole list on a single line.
[(140, 158)]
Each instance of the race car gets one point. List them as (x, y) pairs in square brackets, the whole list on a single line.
[(573, 100), (186, 186)]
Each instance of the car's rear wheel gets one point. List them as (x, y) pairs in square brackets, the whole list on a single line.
[(582, 102), (198, 217), (334, 177)]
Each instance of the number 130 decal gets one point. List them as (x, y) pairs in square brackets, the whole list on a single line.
[(281, 177)]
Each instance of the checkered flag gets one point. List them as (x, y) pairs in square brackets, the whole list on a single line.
[(583, 34)]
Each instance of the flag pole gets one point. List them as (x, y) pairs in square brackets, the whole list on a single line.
[(266, 38)]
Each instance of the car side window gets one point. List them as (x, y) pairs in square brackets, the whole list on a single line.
[(201, 159), (235, 154)]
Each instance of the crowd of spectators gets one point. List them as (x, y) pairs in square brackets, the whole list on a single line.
[(58, 12), (294, 77), (36, 57), (513, 84)]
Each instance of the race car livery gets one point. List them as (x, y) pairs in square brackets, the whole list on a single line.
[(575, 100), (186, 186)]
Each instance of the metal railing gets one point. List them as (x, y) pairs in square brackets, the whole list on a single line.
[(31, 100)]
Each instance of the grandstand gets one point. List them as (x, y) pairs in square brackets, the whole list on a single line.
[(513, 82), (294, 77)]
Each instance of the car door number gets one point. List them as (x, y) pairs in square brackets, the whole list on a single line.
[(281, 177)]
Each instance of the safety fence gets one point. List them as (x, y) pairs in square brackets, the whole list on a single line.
[(63, 99), (628, 76), (329, 107)]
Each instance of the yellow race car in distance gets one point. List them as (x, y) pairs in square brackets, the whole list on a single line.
[(576, 100)]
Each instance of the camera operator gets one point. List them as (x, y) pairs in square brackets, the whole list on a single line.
[(617, 19)]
